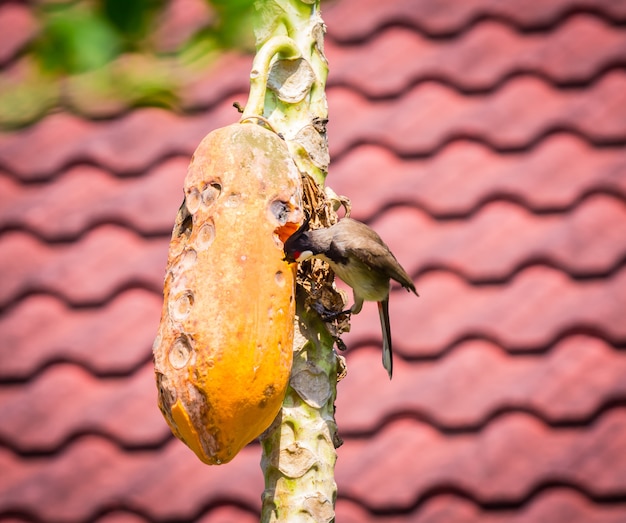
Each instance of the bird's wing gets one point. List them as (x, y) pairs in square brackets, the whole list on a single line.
[(374, 252), (378, 255)]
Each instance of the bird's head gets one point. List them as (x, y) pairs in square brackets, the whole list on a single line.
[(298, 246)]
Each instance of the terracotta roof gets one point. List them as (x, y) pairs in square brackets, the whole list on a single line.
[(485, 141)]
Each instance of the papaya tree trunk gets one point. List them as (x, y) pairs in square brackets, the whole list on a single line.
[(287, 93)]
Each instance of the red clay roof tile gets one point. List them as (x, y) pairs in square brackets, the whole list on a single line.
[(85, 272), (229, 77), (179, 20), (491, 158), (128, 144), (118, 516), (554, 175), (230, 513), (112, 338), (502, 237), (487, 55), (17, 28), (477, 382), (430, 115), (549, 505), (118, 408), (530, 311), (449, 17), (84, 197), (175, 485), (503, 463)]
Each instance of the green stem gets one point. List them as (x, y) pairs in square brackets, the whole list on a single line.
[(287, 88), (283, 46)]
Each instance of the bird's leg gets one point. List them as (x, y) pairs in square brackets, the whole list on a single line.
[(358, 304)]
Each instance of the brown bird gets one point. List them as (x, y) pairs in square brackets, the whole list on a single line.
[(361, 259)]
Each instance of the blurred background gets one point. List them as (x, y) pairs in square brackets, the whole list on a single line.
[(486, 143)]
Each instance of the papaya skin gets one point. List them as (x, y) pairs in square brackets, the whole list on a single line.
[(223, 351)]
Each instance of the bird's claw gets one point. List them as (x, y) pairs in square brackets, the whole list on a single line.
[(327, 315), (340, 344)]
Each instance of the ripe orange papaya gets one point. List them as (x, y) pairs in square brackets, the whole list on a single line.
[(223, 351)]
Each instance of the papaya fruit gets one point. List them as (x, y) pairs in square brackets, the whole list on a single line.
[(223, 351)]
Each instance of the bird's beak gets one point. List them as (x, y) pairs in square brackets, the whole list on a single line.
[(305, 255), (292, 257), (298, 256)]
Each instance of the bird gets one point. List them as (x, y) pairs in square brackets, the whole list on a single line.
[(360, 258)]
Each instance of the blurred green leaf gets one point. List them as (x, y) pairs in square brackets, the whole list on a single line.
[(132, 19), (27, 102), (75, 39), (233, 29), (199, 50), (98, 57), (131, 80)]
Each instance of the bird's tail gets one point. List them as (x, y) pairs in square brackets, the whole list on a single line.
[(383, 311)]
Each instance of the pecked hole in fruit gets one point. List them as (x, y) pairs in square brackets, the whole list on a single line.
[(180, 306), (187, 260), (184, 222), (233, 200), (180, 353), (186, 226), (280, 211), (210, 193), (157, 343), (167, 393), (268, 393), (205, 237), (283, 213), (279, 277), (193, 200)]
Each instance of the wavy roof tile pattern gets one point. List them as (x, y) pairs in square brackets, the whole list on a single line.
[(484, 140)]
